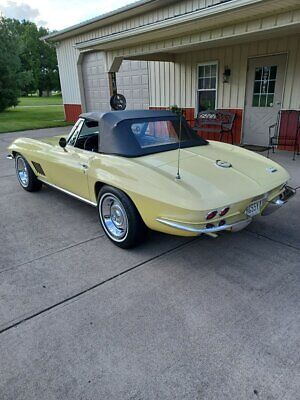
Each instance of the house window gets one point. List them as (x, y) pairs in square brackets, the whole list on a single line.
[(264, 86), (207, 86)]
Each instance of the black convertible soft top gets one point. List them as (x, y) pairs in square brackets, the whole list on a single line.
[(117, 137), (114, 117)]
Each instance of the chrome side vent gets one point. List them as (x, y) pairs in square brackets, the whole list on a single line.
[(38, 168)]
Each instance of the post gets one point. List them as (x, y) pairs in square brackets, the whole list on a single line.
[(112, 82)]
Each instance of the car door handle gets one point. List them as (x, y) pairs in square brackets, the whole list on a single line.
[(85, 166)]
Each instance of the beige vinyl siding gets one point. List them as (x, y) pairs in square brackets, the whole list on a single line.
[(68, 55), (231, 31), (159, 14), (182, 74), (230, 95)]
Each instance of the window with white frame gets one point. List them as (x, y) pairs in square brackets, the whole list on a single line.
[(207, 86)]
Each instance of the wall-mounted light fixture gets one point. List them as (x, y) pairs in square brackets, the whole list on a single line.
[(226, 74)]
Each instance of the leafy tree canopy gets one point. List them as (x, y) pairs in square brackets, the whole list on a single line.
[(27, 63), (10, 66)]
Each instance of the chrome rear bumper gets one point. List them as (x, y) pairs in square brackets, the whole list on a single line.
[(272, 206), (279, 201), (236, 226)]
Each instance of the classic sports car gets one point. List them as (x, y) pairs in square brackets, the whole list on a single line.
[(149, 169)]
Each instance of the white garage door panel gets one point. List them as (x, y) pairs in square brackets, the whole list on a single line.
[(132, 81), (95, 82)]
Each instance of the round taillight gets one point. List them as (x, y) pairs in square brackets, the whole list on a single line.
[(209, 226), (222, 222), (211, 214), (224, 211)]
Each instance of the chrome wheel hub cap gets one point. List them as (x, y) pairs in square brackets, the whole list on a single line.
[(113, 217), (22, 171)]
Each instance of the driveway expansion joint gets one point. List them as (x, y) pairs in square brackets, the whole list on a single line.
[(52, 253), (77, 295), (272, 240)]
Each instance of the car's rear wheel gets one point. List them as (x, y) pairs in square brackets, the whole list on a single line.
[(119, 218), (25, 175)]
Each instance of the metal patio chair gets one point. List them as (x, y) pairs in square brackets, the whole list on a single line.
[(276, 138)]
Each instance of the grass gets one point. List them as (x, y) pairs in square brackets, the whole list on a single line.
[(24, 118), (40, 101), (33, 113)]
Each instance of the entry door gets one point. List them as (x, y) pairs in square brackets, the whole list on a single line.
[(263, 97)]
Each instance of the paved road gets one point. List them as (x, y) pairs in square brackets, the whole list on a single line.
[(173, 319)]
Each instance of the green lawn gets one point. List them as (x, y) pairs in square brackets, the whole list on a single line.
[(24, 118), (40, 101)]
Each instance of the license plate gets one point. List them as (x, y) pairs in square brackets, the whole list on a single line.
[(253, 209)]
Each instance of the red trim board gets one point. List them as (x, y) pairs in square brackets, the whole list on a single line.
[(72, 112)]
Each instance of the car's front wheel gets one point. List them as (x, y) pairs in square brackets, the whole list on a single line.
[(119, 218), (25, 175)]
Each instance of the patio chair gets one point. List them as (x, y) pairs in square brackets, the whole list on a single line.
[(279, 138)]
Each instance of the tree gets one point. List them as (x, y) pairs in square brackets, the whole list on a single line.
[(29, 55), (48, 77), (27, 63), (38, 59), (10, 66), (26, 32)]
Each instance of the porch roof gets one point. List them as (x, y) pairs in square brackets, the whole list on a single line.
[(229, 21), (131, 9)]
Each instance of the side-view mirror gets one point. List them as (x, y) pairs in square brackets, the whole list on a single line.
[(62, 142)]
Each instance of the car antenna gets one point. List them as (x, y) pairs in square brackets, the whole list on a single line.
[(179, 146)]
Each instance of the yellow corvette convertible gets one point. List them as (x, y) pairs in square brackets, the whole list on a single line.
[(148, 169)]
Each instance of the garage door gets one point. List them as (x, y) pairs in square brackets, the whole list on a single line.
[(132, 81), (95, 83)]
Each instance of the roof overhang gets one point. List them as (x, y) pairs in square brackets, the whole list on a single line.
[(130, 10), (217, 16)]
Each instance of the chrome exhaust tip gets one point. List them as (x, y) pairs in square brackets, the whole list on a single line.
[(288, 193), (279, 201)]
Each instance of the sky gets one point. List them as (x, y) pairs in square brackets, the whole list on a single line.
[(58, 14)]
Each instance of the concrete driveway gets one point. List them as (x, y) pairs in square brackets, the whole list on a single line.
[(172, 319)]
